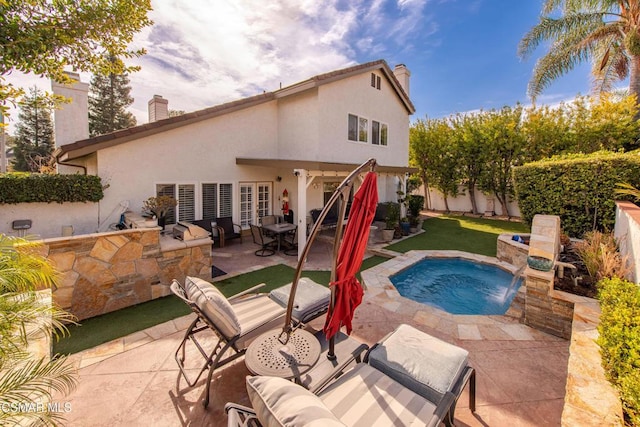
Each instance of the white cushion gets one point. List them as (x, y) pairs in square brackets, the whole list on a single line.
[(420, 362), (279, 402), (213, 304), (311, 298)]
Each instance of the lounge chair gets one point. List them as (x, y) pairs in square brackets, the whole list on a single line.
[(408, 378), (266, 243), (227, 230), (236, 321)]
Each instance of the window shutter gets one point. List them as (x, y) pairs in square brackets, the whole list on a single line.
[(209, 201), (186, 202), (226, 200), (168, 190)]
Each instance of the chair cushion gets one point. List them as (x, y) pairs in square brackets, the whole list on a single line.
[(213, 304), (420, 362), (311, 298), (364, 396), (278, 402)]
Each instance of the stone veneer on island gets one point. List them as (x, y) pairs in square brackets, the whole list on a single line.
[(104, 272)]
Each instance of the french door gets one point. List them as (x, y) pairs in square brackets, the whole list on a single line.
[(255, 202)]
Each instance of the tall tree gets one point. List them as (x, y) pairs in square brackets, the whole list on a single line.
[(605, 31), (109, 97), (506, 142), (467, 130), (33, 143), (45, 37), (434, 153)]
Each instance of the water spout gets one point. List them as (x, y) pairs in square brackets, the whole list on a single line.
[(516, 277)]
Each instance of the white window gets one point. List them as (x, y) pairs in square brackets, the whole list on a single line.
[(353, 127), (363, 129), (217, 200), (187, 202), (375, 81), (379, 133), (246, 205), (359, 130), (255, 202), (185, 195), (384, 132)]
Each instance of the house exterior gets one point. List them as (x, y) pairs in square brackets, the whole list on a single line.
[(237, 159)]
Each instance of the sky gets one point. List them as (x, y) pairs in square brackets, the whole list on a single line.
[(462, 54)]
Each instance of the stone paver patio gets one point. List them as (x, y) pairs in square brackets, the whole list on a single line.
[(134, 381)]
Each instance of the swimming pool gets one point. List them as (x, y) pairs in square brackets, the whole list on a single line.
[(457, 285)]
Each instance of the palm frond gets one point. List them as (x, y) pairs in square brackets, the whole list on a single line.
[(576, 26), (35, 381), (23, 267), (626, 189)]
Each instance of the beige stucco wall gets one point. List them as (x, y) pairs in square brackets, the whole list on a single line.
[(47, 219), (462, 203), (627, 233), (356, 96)]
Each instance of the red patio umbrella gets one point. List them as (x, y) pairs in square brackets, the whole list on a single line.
[(348, 292)]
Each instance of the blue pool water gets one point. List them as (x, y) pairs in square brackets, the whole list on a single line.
[(457, 286)]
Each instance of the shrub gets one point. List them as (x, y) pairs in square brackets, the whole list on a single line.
[(619, 341), (32, 188), (599, 253), (578, 188), (415, 204)]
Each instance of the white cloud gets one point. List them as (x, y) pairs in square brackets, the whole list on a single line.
[(205, 52)]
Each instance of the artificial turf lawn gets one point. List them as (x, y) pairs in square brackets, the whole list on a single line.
[(98, 330), (476, 235)]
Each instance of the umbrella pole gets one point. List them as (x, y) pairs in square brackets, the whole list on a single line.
[(340, 192), (342, 209)]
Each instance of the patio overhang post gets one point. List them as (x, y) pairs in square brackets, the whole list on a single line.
[(340, 194)]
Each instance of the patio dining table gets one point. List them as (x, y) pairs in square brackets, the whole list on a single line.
[(279, 230)]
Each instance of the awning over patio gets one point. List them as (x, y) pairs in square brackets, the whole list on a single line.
[(308, 170), (323, 167)]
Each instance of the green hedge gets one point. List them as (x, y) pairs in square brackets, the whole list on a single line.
[(32, 188), (578, 188), (619, 341)]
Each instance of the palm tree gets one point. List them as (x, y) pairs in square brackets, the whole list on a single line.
[(605, 31), (27, 382)]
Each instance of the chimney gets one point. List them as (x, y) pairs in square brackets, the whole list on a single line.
[(71, 121), (403, 75), (158, 108)]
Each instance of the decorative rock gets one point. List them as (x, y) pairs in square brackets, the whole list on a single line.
[(95, 271), (129, 252), (104, 249), (63, 261), (123, 269)]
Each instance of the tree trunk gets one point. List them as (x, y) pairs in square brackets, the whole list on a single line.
[(503, 204), (634, 78), (425, 185), (472, 195), (446, 204)]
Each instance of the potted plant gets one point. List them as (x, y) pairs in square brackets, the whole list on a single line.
[(415, 204), (404, 226), (159, 206), (391, 221)]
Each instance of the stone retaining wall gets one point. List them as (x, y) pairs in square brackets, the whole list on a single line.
[(510, 251), (546, 309), (104, 272)]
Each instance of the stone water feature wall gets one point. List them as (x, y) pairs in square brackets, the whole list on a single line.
[(104, 272), (545, 309)]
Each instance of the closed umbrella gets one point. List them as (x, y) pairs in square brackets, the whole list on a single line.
[(348, 292)]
